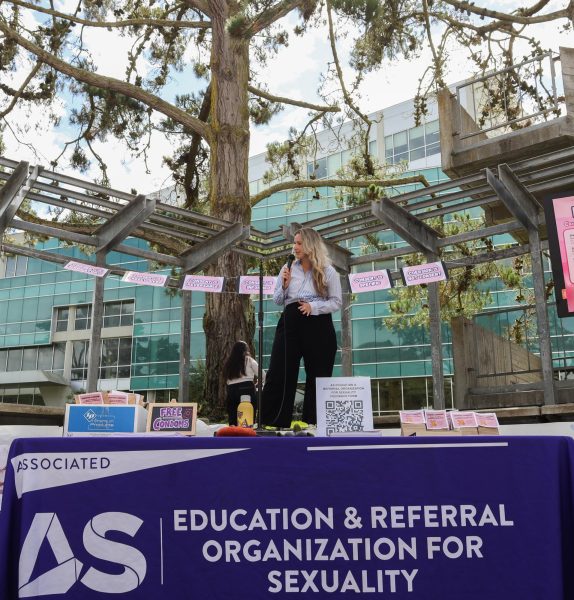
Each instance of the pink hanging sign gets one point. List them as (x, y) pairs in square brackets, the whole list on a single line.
[(202, 283), (427, 273), (370, 281), (86, 269), (249, 284), (152, 279)]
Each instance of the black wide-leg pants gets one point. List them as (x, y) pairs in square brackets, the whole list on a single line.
[(297, 336)]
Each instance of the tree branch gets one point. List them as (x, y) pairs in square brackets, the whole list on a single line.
[(263, 94), (511, 18), (346, 94), (18, 93), (199, 5), (352, 183), (269, 16), (111, 84), (112, 24)]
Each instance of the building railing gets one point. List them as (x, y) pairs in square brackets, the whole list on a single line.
[(518, 96)]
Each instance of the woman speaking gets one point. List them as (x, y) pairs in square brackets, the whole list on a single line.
[(310, 290)]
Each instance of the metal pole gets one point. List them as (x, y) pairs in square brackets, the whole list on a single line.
[(346, 334), (436, 346), (96, 329), (542, 317), (184, 346), (260, 349)]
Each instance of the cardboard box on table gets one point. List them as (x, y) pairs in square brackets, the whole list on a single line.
[(95, 419), (113, 397), (487, 424), (464, 422), (415, 423)]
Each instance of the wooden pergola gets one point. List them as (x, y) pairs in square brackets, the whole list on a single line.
[(195, 240)]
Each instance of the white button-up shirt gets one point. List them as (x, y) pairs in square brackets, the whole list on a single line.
[(302, 287)]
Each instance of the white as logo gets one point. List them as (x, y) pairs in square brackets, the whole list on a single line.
[(58, 580)]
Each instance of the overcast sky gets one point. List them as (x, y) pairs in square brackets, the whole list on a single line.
[(294, 73)]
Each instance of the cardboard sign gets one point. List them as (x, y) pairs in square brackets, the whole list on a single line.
[(103, 419), (463, 418), (370, 281), (86, 269), (249, 284), (343, 404), (172, 417), (138, 278), (90, 398), (428, 273), (415, 417), (436, 419), (202, 283)]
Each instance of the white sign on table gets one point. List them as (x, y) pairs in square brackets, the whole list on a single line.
[(344, 405)]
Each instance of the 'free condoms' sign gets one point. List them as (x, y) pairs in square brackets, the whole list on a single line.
[(427, 273)]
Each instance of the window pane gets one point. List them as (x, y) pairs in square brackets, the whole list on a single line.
[(112, 321), (389, 146), (10, 266), (83, 318), (62, 319), (433, 149), (400, 142), (415, 393), (112, 308), (317, 169), (109, 351), (333, 163), (3, 358), (15, 359), (125, 351), (45, 358), (29, 359), (79, 354), (432, 132), (416, 137), (417, 153), (390, 394), (59, 353), (21, 265)]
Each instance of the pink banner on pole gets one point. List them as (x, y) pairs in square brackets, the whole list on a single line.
[(427, 273), (202, 283), (138, 278), (249, 284), (370, 281), (564, 215), (86, 269)]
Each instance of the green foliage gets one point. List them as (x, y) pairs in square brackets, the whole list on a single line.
[(467, 291), (196, 385)]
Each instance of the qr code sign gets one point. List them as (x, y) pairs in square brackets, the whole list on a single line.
[(343, 415)]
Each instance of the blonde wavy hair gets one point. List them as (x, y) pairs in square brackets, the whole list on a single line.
[(315, 249)]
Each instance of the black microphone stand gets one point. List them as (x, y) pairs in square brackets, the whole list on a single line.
[(260, 349)]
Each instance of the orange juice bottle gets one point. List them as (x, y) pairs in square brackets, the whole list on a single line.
[(245, 412)]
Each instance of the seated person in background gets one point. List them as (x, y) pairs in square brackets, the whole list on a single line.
[(240, 370)]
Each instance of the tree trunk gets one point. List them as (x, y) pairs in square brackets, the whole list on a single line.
[(229, 317)]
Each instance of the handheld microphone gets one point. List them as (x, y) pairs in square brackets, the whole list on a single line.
[(290, 260)]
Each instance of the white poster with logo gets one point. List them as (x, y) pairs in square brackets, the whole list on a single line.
[(344, 405)]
